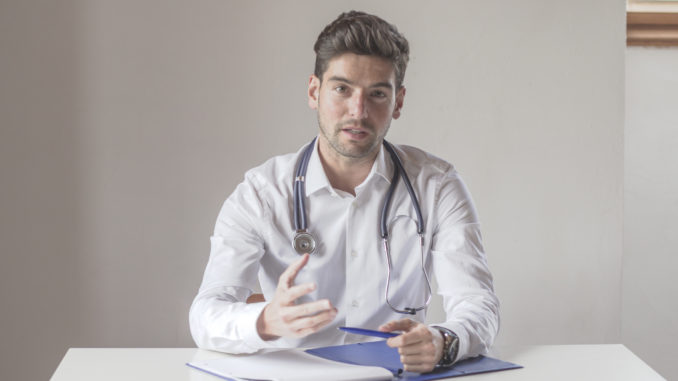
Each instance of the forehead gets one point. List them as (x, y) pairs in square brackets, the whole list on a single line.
[(363, 69)]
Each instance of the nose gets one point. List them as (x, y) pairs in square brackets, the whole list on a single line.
[(358, 105)]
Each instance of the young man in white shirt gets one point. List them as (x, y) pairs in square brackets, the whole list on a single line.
[(357, 90)]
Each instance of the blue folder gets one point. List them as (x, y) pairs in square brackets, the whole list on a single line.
[(377, 353)]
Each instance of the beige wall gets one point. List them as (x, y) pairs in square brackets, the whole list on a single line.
[(125, 124), (650, 301), (40, 192)]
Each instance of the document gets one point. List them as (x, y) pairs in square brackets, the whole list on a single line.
[(285, 365)]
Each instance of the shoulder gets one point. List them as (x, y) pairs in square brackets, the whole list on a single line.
[(262, 186), (275, 171), (440, 180), (420, 162)]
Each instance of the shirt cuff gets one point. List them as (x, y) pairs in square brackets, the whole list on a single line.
[(463, 336), (247, 326)]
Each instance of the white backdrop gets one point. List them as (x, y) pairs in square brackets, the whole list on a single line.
[(127, 123)]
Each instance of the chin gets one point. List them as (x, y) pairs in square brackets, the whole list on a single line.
[(357, 152)]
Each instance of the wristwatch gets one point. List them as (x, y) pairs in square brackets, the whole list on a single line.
[(450, 347)]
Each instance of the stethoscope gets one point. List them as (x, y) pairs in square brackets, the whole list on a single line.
[(304, 242)]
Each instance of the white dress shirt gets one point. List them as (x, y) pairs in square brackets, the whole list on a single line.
[(252, 243)]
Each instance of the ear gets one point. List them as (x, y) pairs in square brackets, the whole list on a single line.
[(400, 97), (313, 90)]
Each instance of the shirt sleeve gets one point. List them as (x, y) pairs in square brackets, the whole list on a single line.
[(462, 272), (219, 317)]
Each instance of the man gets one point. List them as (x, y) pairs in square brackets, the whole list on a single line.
[(357, 89)]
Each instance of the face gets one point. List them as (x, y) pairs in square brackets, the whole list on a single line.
[(356, 101)]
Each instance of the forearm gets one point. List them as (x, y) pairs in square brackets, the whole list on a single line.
[(220, 321), (475, 320), (466, 284)]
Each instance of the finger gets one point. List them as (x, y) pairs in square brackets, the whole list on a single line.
[(415, 335), (321, 323), (410, 350), (415, 359), (315, 322), (403, 340), (398, 325), (293, 293), (307, 331), (309, 309), (419, 368), (290, 273), (407, 338), (423, 350)]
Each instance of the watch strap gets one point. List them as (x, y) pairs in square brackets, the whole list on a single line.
[(450, 347)]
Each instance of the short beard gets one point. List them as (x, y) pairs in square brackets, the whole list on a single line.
[(333, 140)]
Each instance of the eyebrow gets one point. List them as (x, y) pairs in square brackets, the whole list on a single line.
[(346, 80)]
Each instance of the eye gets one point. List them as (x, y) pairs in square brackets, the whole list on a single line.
[(378, 94), (340, 89)]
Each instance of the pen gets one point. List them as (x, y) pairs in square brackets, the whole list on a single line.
[(368, 332)]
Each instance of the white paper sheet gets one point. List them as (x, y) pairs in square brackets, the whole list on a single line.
[(289, 365)]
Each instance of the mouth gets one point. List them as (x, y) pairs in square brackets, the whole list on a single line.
[(354, 134), (354, 131)]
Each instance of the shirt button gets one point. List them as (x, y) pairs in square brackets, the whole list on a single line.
[(355, 304), (354, 254)]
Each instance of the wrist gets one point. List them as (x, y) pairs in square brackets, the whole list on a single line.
[(450, 347), (261, 326)]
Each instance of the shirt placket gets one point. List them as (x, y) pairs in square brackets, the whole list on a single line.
[(354, 264)]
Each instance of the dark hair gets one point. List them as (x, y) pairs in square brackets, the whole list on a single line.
[(364, 34)]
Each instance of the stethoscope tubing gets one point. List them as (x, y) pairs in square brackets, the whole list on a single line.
[(300, 190), (303, 239), (399, 170)]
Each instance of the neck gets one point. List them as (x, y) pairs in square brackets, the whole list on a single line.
[(344, 173)]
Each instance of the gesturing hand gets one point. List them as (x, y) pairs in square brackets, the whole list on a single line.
[(420, 346), (284, 318)]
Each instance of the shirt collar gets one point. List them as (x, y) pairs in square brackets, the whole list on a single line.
[(316, 178)]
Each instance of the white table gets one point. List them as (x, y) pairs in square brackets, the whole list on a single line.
[(543, 362)]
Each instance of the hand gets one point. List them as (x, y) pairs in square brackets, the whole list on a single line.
[(283, 317), (420, 346)]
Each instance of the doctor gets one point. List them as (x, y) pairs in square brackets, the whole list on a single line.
[(357, 90)]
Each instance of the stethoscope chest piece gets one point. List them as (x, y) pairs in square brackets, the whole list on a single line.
[(304, 243)]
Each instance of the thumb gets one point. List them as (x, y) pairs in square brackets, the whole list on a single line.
[(288, 276)]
